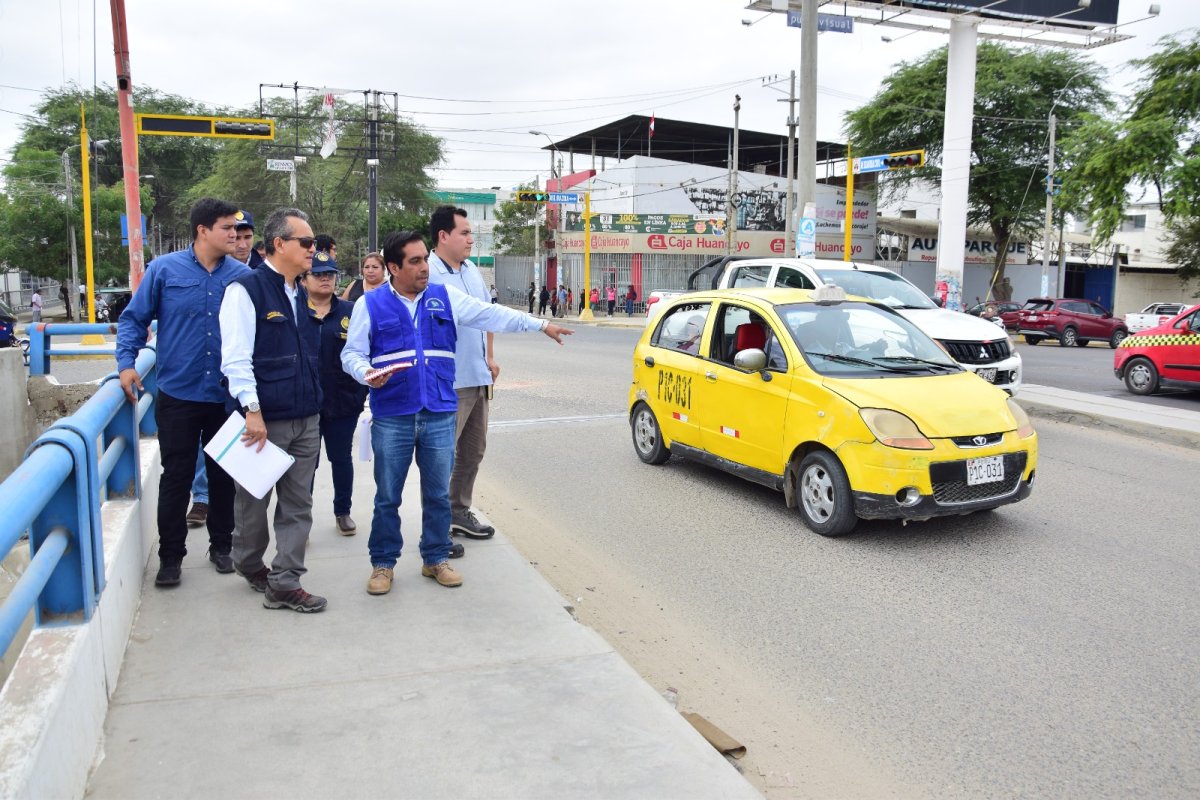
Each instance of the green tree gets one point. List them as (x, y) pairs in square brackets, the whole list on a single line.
[(332, 191), (1154, 149), (515, 226), (1015, 92)]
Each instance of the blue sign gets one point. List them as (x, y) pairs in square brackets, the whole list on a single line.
[(837, 23), (125, 229), (870, 164), (564, 197)]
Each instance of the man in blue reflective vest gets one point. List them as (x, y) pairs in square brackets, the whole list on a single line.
[(412, 323)]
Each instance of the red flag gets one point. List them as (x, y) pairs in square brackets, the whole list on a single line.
[(651, 126)]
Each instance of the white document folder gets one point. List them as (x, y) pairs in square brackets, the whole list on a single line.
[(254, 471)]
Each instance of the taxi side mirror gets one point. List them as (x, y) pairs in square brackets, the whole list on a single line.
[(751, 359)]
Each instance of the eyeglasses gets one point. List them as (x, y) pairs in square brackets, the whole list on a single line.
[(304, 241)]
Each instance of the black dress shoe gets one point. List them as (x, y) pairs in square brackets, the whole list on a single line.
[(457, 550), (222, 561), (170, 572)]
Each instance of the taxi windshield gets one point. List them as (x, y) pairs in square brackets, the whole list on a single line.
[(886, 287), (862, 340)]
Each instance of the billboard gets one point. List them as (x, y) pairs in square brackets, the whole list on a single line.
[(1057, 12)]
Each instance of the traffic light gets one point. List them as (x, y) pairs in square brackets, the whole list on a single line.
[(214, 127), (532, 197), (905, 159)]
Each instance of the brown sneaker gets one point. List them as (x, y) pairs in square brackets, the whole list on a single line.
[(198, 515), (380, 581), (443, 573)]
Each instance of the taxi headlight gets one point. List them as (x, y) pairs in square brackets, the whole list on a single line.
[(894, 429), (1024, 426)]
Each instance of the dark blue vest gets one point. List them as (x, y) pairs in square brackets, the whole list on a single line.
[(344, 396), (428, 342), (285, 356)]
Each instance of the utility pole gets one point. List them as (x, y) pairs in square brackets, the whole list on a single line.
[(373, 173), (789, 204), (1046, 244), (731, 202), (129, 143), (537, 271), (71, 232), (807, 157)]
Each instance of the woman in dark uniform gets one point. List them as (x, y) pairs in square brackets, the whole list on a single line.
[(343, 396)]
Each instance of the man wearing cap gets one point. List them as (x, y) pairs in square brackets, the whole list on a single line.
[(343, 396), (412, 322), (242, 248), (184, 291)]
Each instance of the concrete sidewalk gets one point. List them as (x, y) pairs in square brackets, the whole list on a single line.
[(488, 690), (1160, 423)]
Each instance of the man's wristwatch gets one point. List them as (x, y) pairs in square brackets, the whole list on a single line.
[(252, 408)]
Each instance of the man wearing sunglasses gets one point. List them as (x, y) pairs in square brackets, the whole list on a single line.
[(185, 291), (269, 354)]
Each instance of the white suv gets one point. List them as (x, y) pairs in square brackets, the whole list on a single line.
[(977, 344)]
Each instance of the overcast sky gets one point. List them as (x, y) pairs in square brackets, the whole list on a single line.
[(482, 73)]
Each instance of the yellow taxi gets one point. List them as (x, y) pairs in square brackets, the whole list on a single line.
[(841, 403)]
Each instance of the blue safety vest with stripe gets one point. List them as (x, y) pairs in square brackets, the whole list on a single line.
[(427, 341)]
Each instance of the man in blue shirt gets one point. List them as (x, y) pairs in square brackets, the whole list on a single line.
[(475, 367), (183, 291), (410, 325)]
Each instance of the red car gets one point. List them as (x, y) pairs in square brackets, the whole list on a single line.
[(1072, 322), (1163, 357)]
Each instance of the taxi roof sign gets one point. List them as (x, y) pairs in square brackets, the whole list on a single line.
[(213, 127)]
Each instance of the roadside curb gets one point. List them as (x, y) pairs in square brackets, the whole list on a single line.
[(1156, 423)]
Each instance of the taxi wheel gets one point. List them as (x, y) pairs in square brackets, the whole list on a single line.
[(647, 436), (823, 495), (1141, 377)]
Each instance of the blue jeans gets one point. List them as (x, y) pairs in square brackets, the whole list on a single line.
[(200, 480), (393, 440), (338, 433)]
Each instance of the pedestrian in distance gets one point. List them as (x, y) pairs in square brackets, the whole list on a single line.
[(564, 303), (611, 297), (412, 327), (543, 300), (570, 301), (532, 295), (35, 307), (342, 396), (594, 299), (374, 275), (554, 303), (494, 294), (65, 294), (630, 299), (184, 291), (271, 363)]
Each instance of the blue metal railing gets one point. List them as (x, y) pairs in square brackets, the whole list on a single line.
[(41, 333), (56, 494)]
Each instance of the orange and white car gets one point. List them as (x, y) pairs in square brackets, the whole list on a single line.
[(1163, 357)]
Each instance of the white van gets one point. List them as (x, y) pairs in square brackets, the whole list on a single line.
[(979, 345)]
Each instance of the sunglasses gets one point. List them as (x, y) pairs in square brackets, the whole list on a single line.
[(304, 241)]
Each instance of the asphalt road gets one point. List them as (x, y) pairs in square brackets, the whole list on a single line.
[(1048, 649), (1089, 369)]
